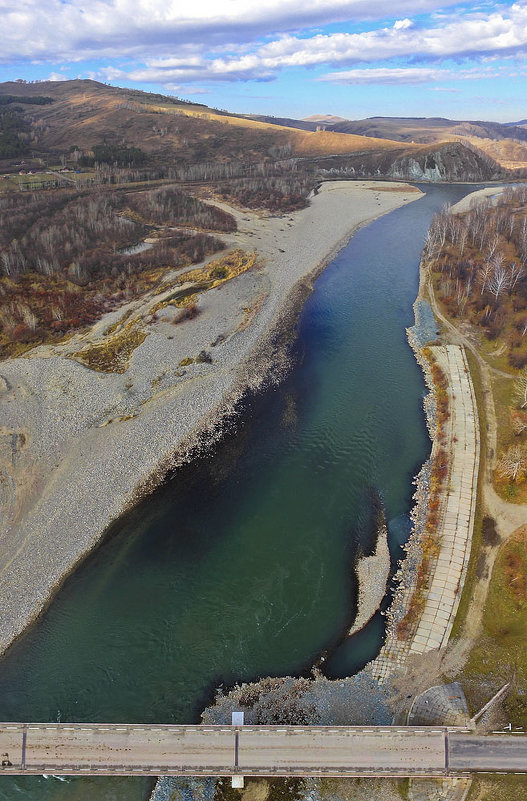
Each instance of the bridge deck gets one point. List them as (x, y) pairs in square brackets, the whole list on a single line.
[(250, 750)]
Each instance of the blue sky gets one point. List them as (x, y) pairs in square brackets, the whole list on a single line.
[(352, 58)]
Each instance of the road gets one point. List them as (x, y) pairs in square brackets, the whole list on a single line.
[(499, 753), (252, 750)]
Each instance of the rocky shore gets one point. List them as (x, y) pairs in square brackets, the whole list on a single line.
[(79, 447)]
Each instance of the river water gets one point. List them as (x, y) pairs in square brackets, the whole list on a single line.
[(241, 566)]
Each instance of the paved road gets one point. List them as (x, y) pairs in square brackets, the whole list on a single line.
[(252, 750), (507, 752)]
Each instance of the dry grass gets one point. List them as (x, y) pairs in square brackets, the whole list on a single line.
[(498, 788), (118, 323), (303, 142), (314, 143), (212, 275), (250, 313), (220, 270), (112, 355)]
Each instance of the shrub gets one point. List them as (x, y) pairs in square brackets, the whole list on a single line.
[(517, 359), (188, 313), (488, 530)]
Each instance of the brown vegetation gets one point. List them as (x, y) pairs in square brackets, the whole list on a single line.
[(63, 260), (479, 267), (113, 354)]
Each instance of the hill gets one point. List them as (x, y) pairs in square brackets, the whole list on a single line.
[(504, 142), (82, 113), (275, 162)]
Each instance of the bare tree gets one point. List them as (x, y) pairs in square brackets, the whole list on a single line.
[(520, 390), (499, 280), (518, 422), (516, 273), (513, 463), (484, 275)]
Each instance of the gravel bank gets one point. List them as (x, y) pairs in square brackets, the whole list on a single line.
[(466, 203), (372, 576), (81, 447)]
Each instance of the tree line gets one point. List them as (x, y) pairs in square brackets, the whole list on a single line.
[(479, 264)]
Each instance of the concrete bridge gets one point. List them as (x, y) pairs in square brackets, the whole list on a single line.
[(130, 750)]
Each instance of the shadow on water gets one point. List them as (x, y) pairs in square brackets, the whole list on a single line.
[(241, 565)]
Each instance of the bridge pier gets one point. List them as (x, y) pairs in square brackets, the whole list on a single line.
[(237, 719)]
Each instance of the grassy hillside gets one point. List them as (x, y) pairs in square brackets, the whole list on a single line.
[(85, 113), (506, 143)]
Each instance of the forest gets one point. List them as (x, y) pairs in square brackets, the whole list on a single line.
[(13, 127), (478, 263), (479, 267), (63, 259)]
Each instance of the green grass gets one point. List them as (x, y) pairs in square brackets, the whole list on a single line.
[(500, 653), (498, 788)]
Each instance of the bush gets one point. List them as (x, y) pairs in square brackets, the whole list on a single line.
[(517, 359), (188, 313), (488, 531)]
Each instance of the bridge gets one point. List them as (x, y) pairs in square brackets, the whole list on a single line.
[(244, 750)]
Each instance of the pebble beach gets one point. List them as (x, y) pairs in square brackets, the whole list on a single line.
[(78, 447)]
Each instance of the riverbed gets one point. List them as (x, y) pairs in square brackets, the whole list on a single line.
[(242, 565)]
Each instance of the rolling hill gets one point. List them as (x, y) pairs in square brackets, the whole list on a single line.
[(504, 142), (84, 117)]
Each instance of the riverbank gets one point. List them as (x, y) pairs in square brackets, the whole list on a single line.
[(431, 578), (85, 445), (471, 572)]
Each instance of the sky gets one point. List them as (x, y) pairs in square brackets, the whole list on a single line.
[(351, 58)]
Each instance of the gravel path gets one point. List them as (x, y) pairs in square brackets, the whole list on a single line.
[(87, 445)]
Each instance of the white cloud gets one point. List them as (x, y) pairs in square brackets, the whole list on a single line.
[(226, 40), (76, 30), (473, 35), (383, 75), (57, 76), (409, 75), (402, 24)]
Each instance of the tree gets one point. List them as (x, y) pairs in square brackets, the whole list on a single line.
[(520, 390), (516, 273), (499, 280), (518, 421), (484, 275), (513, 463)]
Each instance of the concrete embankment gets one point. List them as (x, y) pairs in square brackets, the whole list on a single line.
[(445, 571)]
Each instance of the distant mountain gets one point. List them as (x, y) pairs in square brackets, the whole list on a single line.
[(286, 122), (330, 118), (504, 142), (426, 130)]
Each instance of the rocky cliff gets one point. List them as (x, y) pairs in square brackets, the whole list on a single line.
[(452, 161)]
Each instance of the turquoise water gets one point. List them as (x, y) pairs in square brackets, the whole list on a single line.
[(242, 565)]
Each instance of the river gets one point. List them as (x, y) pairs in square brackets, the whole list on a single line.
[(241, 566)]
